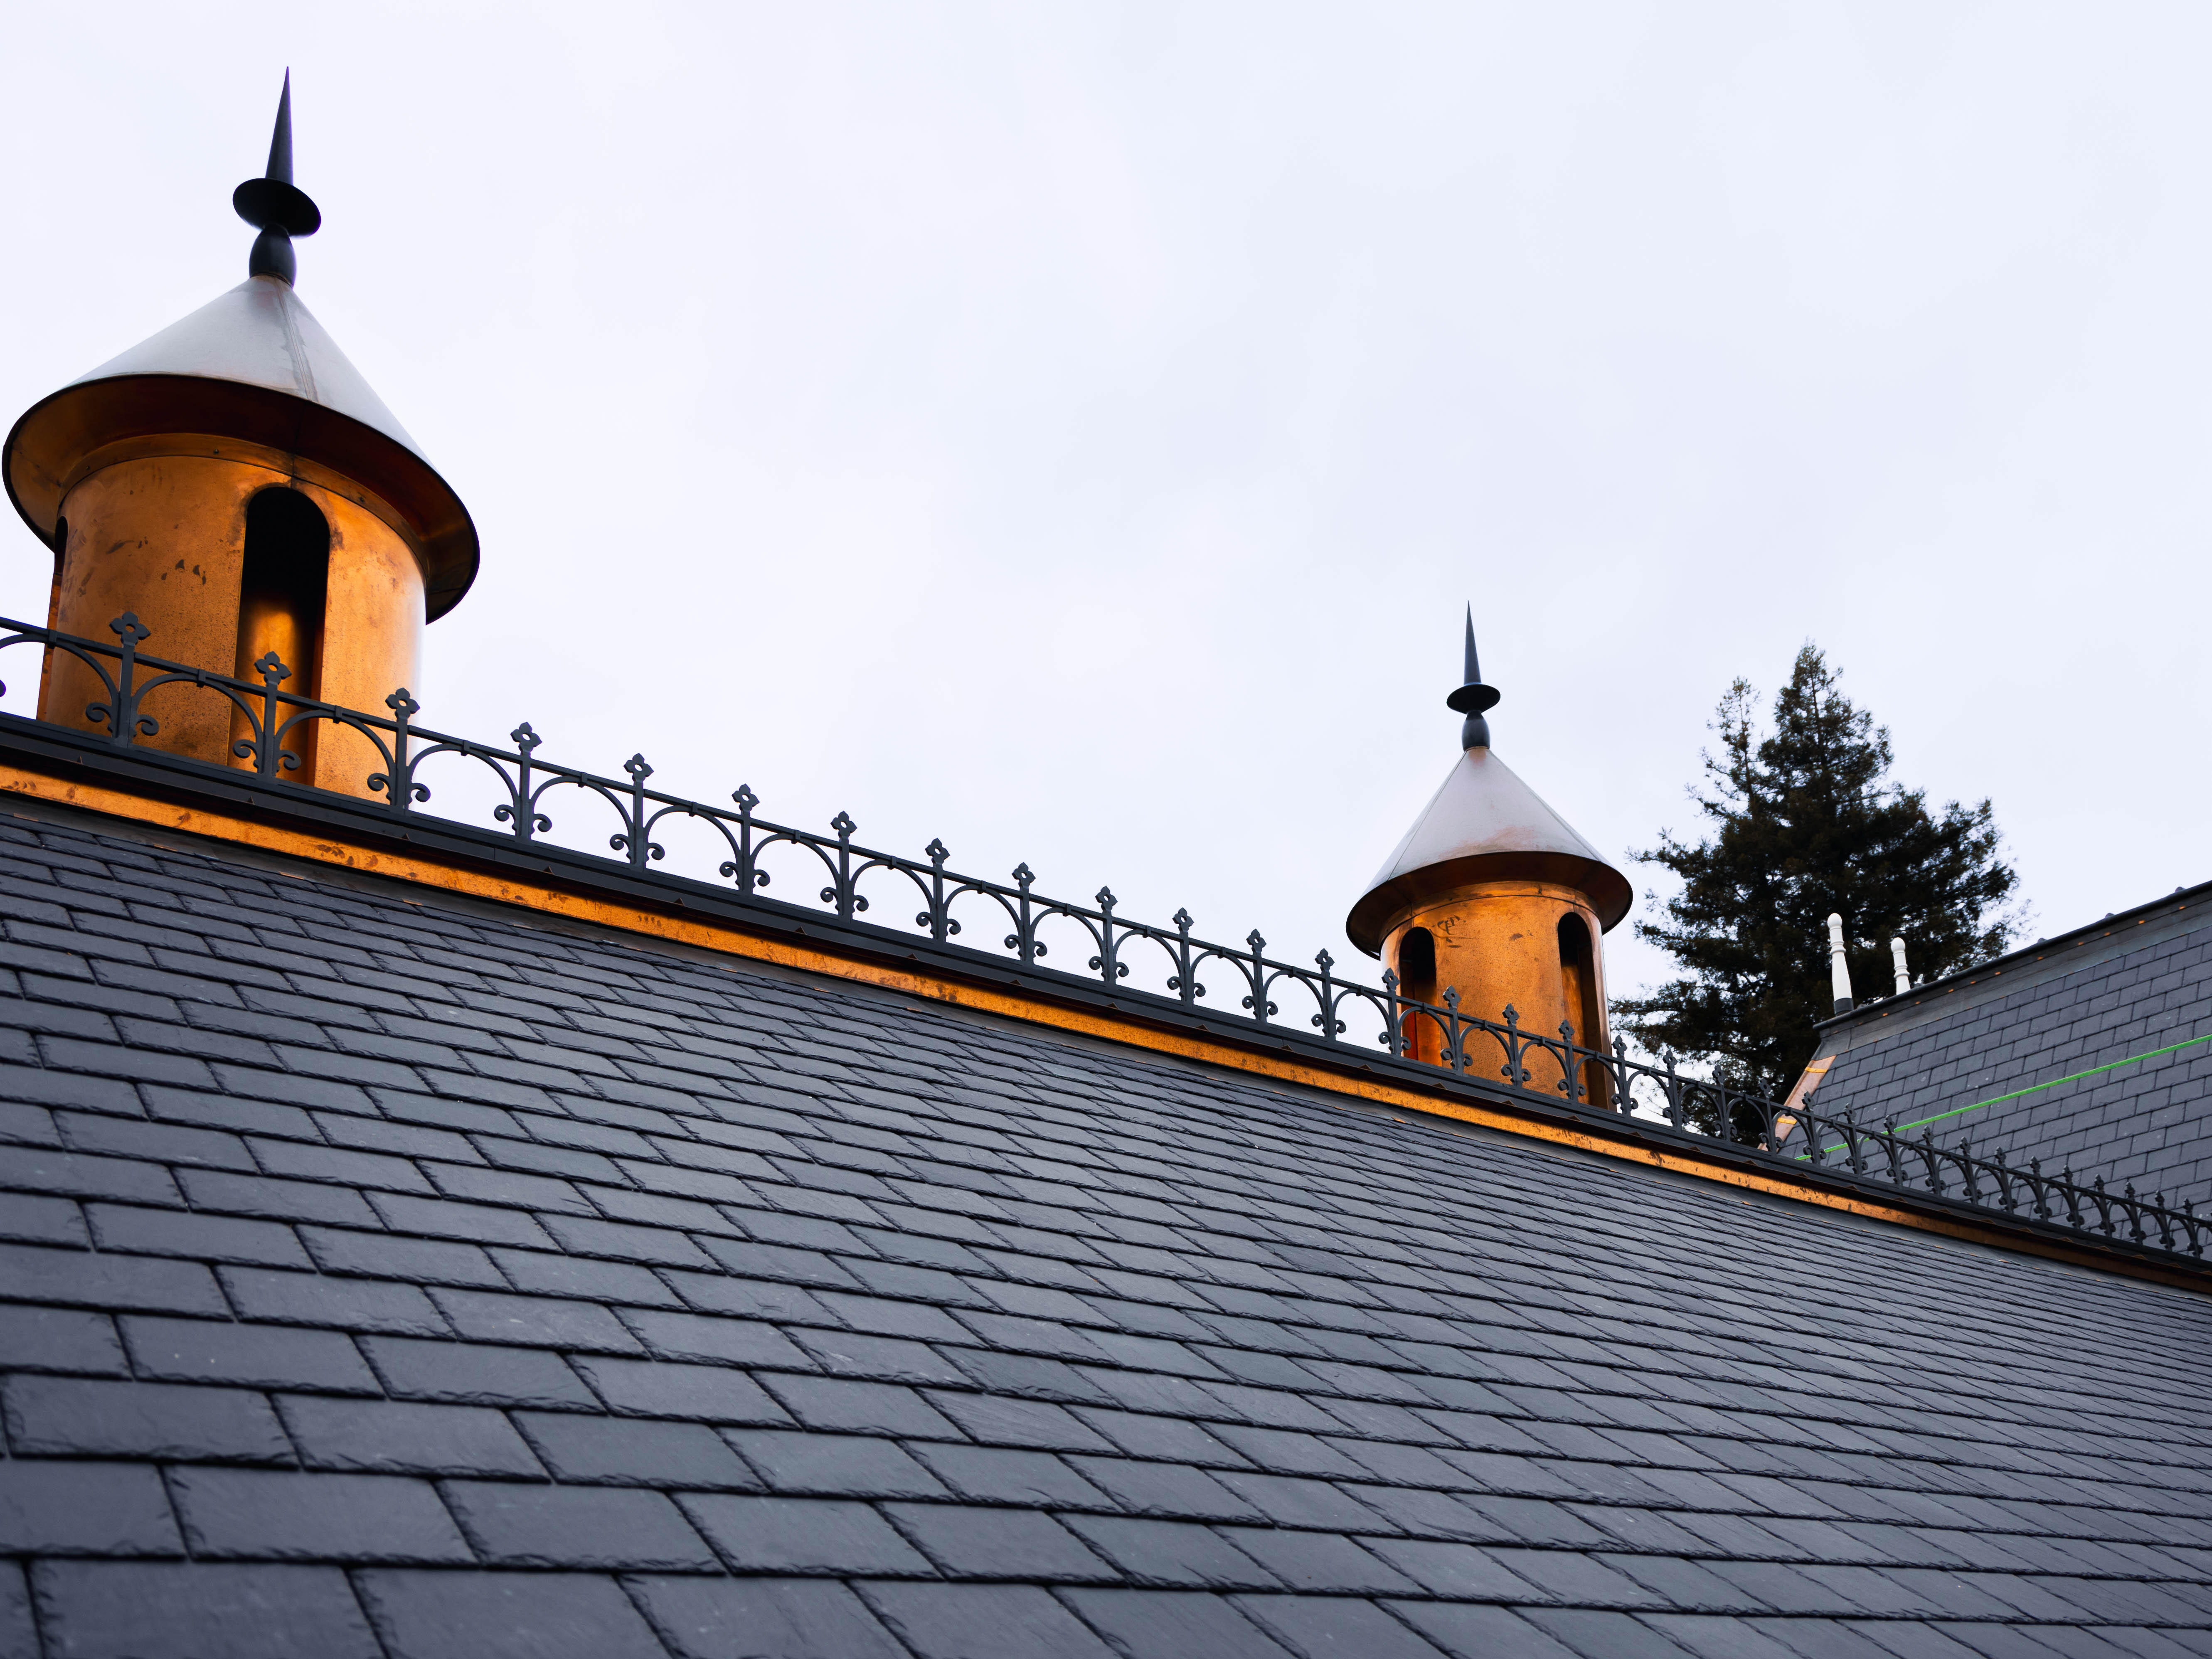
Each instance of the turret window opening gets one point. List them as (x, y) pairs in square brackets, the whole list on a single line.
[(1578, 981), (1417, 965), (281, 596)]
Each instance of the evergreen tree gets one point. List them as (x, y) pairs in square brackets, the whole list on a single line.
[(1804, 820)]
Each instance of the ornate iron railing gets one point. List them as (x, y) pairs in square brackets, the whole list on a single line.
[(741, 846)]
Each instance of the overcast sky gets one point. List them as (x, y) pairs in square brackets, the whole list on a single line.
[(1074, 431)]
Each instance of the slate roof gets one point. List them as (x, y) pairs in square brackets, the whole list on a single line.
[(392, 1275), (2130, 985)]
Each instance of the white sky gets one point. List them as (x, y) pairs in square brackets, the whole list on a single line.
[(1073, 431)]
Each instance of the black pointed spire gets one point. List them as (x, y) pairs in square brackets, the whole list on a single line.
[(280, 142), (1474, 697), (275, 205)]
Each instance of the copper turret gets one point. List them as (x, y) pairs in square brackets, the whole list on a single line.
[(1491, 893), (234, 484)]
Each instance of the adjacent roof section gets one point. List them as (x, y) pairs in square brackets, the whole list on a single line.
[(1484, 824), (252, 365), (2091, 1051), (392, 1276)]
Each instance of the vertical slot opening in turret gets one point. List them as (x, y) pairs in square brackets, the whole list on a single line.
[(1578, 980), (1417, 982), (1417, 965), (281, 598), (53, 607)]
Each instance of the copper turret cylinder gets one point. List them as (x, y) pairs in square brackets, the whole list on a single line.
[(1529, 947), (227, 553)]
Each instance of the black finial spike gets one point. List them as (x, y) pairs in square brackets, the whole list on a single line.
[(275, 205), (1474, 697), (280, 142)]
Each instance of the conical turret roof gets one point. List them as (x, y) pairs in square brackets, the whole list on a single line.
[(1484, 825), (252, 365)]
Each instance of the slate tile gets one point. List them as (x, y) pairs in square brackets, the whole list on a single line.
[(973, 1543), (471, 1374), (633, 1452), (297, 1160), (177, 1611), (60, 1340), (534, 1320), (505, 1615), (1458, 1571), (658, 1210), (100, 1280), (1588, 1632), (1283, 1453), (426, 1261), (1319, 1561), (882, 1317), (310, 1299), (900, 1279), (471, 1184), (672, 1181), (749, 1260), (203, 1237), (280, 1200), (1170, 1553), (381, 1436), (727, 1341), (803, 1535), (748, 1298), (981, 1621), (995, 1476), (107, 1060), (764, 1619), (1781, 1588), (79, 1417), (1027, 1376), (655, 1246), (834, 1465), (1532, 1521), (1289, 1502), (1677, 1584), (536, 1158), (1711, 1636), (850, 1407), (885, 1358), (994, 1420), (251, 1356), (1267, 1408), (651, 1388), (371, 1134), (84, 1509), (1322, 1627), (813, 1232), (584, 1279), (1173, 1490), (603, 1528), (32, 1219), (271, 1516), (450, 1218), (1172, 1438)]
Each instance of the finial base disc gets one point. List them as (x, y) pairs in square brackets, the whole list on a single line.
[(267, 203)]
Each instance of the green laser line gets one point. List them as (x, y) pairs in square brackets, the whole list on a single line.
[(1996, 1100)]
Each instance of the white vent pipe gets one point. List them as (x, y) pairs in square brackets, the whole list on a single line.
[(1840, 973)]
